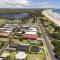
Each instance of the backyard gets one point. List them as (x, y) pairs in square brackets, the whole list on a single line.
[(36, 57), (26, 41), (30, 56), (4, 39), (11, 55)]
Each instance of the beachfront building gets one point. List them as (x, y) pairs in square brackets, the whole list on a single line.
[(21, 55)]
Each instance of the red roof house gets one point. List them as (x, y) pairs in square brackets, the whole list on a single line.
[(30, 36)]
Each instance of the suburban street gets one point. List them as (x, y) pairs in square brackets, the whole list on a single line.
[(46, 39)]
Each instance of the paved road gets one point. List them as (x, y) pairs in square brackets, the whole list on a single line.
[(47, 42)]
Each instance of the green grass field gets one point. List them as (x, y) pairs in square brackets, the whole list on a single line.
[(4, 39)]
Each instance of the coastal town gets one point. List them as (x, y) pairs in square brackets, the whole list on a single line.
[(31, 37), (21, 42)]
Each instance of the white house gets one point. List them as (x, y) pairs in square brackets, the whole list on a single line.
[(21, 55), (30, 32)]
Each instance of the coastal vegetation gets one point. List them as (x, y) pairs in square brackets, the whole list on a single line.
[(53, 32)]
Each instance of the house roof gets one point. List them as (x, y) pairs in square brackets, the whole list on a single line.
[(20, 32), (30, 32), (25, 25), (8, 31), (35, 49), (21, 55), (4, 33), (33, 28), (23, 47), (31, 36)]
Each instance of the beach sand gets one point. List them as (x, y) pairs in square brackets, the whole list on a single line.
[(52, 16)]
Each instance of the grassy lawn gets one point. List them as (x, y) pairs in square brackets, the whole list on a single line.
[(4, 39), (50, 29), (16, 41), (36, 57), (22, 41), (11, 54)]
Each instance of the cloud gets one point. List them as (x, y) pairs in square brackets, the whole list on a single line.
[(48, 4), (29, 3), (13, 3)]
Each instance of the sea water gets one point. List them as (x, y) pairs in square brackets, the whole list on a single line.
[(57, 11)]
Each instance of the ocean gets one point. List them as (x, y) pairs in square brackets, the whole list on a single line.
[(57, 11)]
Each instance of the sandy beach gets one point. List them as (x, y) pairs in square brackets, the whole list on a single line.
[(52, 16)]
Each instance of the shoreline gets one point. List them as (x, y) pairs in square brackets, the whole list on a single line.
[(56, 14), (54, 17)]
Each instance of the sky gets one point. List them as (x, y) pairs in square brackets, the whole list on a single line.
[(29, 3)]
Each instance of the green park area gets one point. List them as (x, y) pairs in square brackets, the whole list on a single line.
[(56, 43)]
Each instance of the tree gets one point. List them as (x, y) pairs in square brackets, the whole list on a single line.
[(23, 32), (55, 35), (2, 44), (8, 58)]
